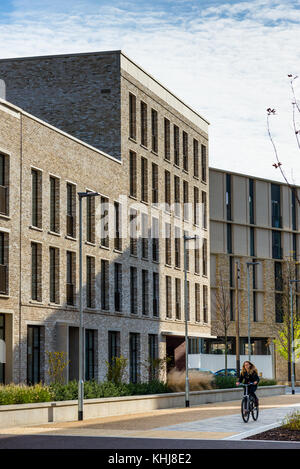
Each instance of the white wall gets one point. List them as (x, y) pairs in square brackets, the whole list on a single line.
[(214, 362)]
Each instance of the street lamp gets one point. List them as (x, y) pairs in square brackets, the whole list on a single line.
[(187, 387), (248, 283), (81, 195), (292, 333)]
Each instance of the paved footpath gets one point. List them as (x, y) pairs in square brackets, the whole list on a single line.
[(217, 421)]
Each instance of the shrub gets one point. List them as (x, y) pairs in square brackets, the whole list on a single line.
[(22, 394), (198, 380), (57, 363), (116, 369), (267, 382), (292, 421), (224, 382)]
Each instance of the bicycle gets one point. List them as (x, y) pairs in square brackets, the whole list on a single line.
[(248, 405)]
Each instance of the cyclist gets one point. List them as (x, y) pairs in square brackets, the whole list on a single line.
[(249, 375)]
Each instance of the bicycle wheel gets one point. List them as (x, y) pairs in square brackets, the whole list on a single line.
[(254, 409), (244, 410)]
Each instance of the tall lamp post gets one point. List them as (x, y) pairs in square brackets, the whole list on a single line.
[(249, 264), (187, 386), (292, 333), (81, 195)]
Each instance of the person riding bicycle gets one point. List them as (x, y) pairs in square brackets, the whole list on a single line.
[(249, 375)]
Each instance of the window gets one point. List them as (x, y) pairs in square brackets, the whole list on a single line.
[(176, 145), (36, 178), (113, 346), (54, 205), (118, 225), (133, 231), (33, 355), (168, 297), (133, 290), (196, 157), (197, 302), (177, 195), (196, 206), (228, 196), (153, 356), (197, 256), (252, 242), (187, 251), (178, 298), (154, 128), (132, 116), (204, 210), (279, 311), (54, 275), (167, 190), (118, 287), (203, 163), (155, 239), (185, 200), (71, 210), (104, 285), (229, 238), (251, 201), (2, 337), (3, 263), (276, 209), (90, 219), (144, 124), (4, 180), (89, 355), (188, 299), (71, 272), (104, 222), (167, 138), (134, 357), (144, 180), (154, 183), (254, 300), (168, 254), (276, 245), (205, 303), (132, 174), (232, 307), (36, 271), (145, 292), (204, 258), (294, 209), (185, 151), (144, 236), (177, 247), (155, 283), (278, 279), (90, 282)]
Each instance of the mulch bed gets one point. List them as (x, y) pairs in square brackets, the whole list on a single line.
[(278, 434)]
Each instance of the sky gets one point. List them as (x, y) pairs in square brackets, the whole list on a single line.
[(228, 60)]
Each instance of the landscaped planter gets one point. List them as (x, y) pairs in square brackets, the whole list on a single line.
[(63, 411)]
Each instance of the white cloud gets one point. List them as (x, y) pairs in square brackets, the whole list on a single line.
[(228, 62)]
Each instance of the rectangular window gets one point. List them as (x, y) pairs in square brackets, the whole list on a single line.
[(168, 249), (154, 183), (36, 179), (118, 287), (168, 297), (278, 279), (33, 355), (36, 271), (178, 298), (2, 337), (145, 292), (188, 299), (204, 210), (4, 182), (176, 145), (144, 124), (229, 238), (54, 204), (276, 245), (155, 284), (197, 256), (232, 306), (205, 303), (144, 236), (89, 354), (177, 247), (132, 116), (177, 195), (196, 157), (185, 200), (132, 174), (294, 241), (104, 285), (90, 219), (144, 180), (185, 151), (133, 290), (90, 282), (153, 356), (187, 250), (54, 275), (254, 300), (134, 357), (118, 226), (104, 218), (203, 163), (294, 209), (167, 190), (71, 210), (196, 206), (154, 128), (279, 310), (204, 257), (252, 242), (155, 239), (167, 139), (228, 196), (276, 206), (71, 282), (133, 232), (113, 346), (197, 302), (251, 201)]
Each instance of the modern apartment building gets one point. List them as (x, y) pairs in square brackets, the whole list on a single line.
[(98, 122), (252, 220)]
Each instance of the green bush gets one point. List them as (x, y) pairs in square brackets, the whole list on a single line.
[(22, 394), (267, 382), (225, 382), (292, 421)]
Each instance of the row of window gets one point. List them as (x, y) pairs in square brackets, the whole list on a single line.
[(154, 138)]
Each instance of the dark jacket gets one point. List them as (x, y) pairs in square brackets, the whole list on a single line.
[(248, 378)]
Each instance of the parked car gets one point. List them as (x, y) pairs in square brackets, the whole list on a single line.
[(230, 372)]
